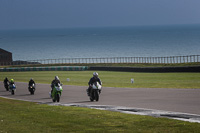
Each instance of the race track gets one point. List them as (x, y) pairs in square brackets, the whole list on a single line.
[(176, 100)]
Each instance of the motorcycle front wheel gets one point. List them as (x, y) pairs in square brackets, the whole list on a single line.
[(91, 99), (32, 92), (6, 88), (96, 95), (13, 92), (58, 97), (93, 95), (54, 100)]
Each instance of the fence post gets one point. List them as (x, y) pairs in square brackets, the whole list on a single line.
[(184, 59), (180, 59), (152, 59)]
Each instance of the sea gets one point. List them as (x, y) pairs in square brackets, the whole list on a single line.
[(132, 41)]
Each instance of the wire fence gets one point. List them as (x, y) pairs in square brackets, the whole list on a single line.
[(144, 60)]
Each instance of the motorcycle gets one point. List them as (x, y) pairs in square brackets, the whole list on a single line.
[(31, 89), (12, 88), (56, 93), (6, 86), (95, 91)]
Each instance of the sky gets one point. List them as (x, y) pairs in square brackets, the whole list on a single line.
[(36, 14)]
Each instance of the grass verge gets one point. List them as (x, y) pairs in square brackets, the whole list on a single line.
[(111, 79), (20, 116)]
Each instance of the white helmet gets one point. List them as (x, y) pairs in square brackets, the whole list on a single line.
[(95, 74), (56, 78)]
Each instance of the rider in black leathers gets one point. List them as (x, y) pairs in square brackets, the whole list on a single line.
[(94, 79), (31, 82), (6, 83)]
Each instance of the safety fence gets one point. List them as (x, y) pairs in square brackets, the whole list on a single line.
[(152, 60), (148, 69), (52, 68), (123, 69)]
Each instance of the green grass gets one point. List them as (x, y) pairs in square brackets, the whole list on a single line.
[(23, 117), (111, 79)]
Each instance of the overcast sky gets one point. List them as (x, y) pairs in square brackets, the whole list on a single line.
[(28, 14)]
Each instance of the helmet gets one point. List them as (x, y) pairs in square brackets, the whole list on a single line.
[(12, 80), (56, 78), (95, 74), (31, 79)]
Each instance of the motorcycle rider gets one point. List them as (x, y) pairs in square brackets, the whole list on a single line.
[(31, 82), (55, 82), (94, 79), (11, 83), (6, 82)]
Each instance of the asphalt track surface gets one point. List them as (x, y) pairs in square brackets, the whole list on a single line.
[(173, 100)]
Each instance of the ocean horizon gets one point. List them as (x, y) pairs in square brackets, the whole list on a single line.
[(141, 41)]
